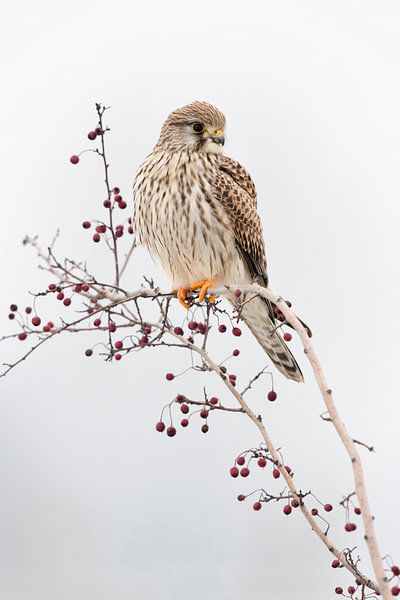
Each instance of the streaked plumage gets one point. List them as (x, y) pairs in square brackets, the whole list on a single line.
[(196, 212)]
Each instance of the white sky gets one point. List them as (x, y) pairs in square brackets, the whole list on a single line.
[(93, 503)]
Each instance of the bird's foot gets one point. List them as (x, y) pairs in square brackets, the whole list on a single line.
[(203, 286), (181, 294)]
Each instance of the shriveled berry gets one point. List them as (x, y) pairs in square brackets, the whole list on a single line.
[(214, 400), (262, 462), (160, 426), (351, 589), (22, 336), (276, 473), (184, 409), (36, 321), (335, 563), (234, 472), (204, 413), (287, 336), (88, 352), (240, 460), (236, 352), (314, 512), (236, 331), (339, 590), (328, 507), (257, 506), (169, 376), (178, 330), (74, 159), (222, 328), (287, 509), (272, 395), (171, 431), (205, 428)]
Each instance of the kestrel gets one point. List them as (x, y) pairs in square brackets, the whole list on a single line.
[(196, 212)]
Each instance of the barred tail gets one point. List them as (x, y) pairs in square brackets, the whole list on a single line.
[(255, 313)]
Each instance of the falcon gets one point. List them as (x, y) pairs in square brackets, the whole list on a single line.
[(195, 210)]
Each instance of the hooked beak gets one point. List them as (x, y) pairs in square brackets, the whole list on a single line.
[(217, 136)]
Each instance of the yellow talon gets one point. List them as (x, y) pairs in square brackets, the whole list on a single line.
[(181, 295), (203, 287)]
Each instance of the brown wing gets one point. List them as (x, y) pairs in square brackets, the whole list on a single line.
[(235, 189)]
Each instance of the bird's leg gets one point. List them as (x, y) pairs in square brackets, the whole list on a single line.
[(203, 287), (181, 294)]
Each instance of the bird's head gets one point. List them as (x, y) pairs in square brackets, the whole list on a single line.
[(197, 126)]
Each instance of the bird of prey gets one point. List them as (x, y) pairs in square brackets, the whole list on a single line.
[(196, 212)]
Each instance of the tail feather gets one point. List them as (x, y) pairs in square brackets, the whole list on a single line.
[(257, 316)]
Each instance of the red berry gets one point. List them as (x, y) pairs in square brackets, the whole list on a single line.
[(185, 422), (222, 328), (118, 198), (288, 469), (98, 131), (262, 462), (118, 357), (144, 340), (236, 331), (237, 293), (314, 512), (234, 471), (395, 570), (119, 233), (245, 472), (122, 204), (335, 563), (351, 589), (112, 327), (160, 426), (328, 507), (169, 376), (178, 330), (116, 190), (67, 302), (97, 322), (107, 203), (96, 237), (357, 510), (395, 590), (190, 340), (257, 506), (78, 288), (13, 308), (339, 590), (288, 303), (204, 413), (101, 228), (272, 395), (276, 473), (295, 503), (88, 352), (204, 428), (240, 460), (147, 330), (214, 400), (92, 135), (74, 159), (86, 224), (130, 229), (50, 324), (60, 296), (350, 526), (171, 431), (85, 287), (202, 328), (223, 368), (180, 398), (236, 353), (22, 336), (52, 287), (287, 509), (46, 329), (11, 316), (184, 409), (118, 345), (241, 497), (287, 336), (36, 321), (28, 310)]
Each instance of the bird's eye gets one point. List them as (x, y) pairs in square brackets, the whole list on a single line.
[(198, 127)]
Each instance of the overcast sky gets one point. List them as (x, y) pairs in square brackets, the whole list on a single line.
[(94, 504)]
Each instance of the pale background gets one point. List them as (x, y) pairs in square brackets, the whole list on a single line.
[(94, 504)]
